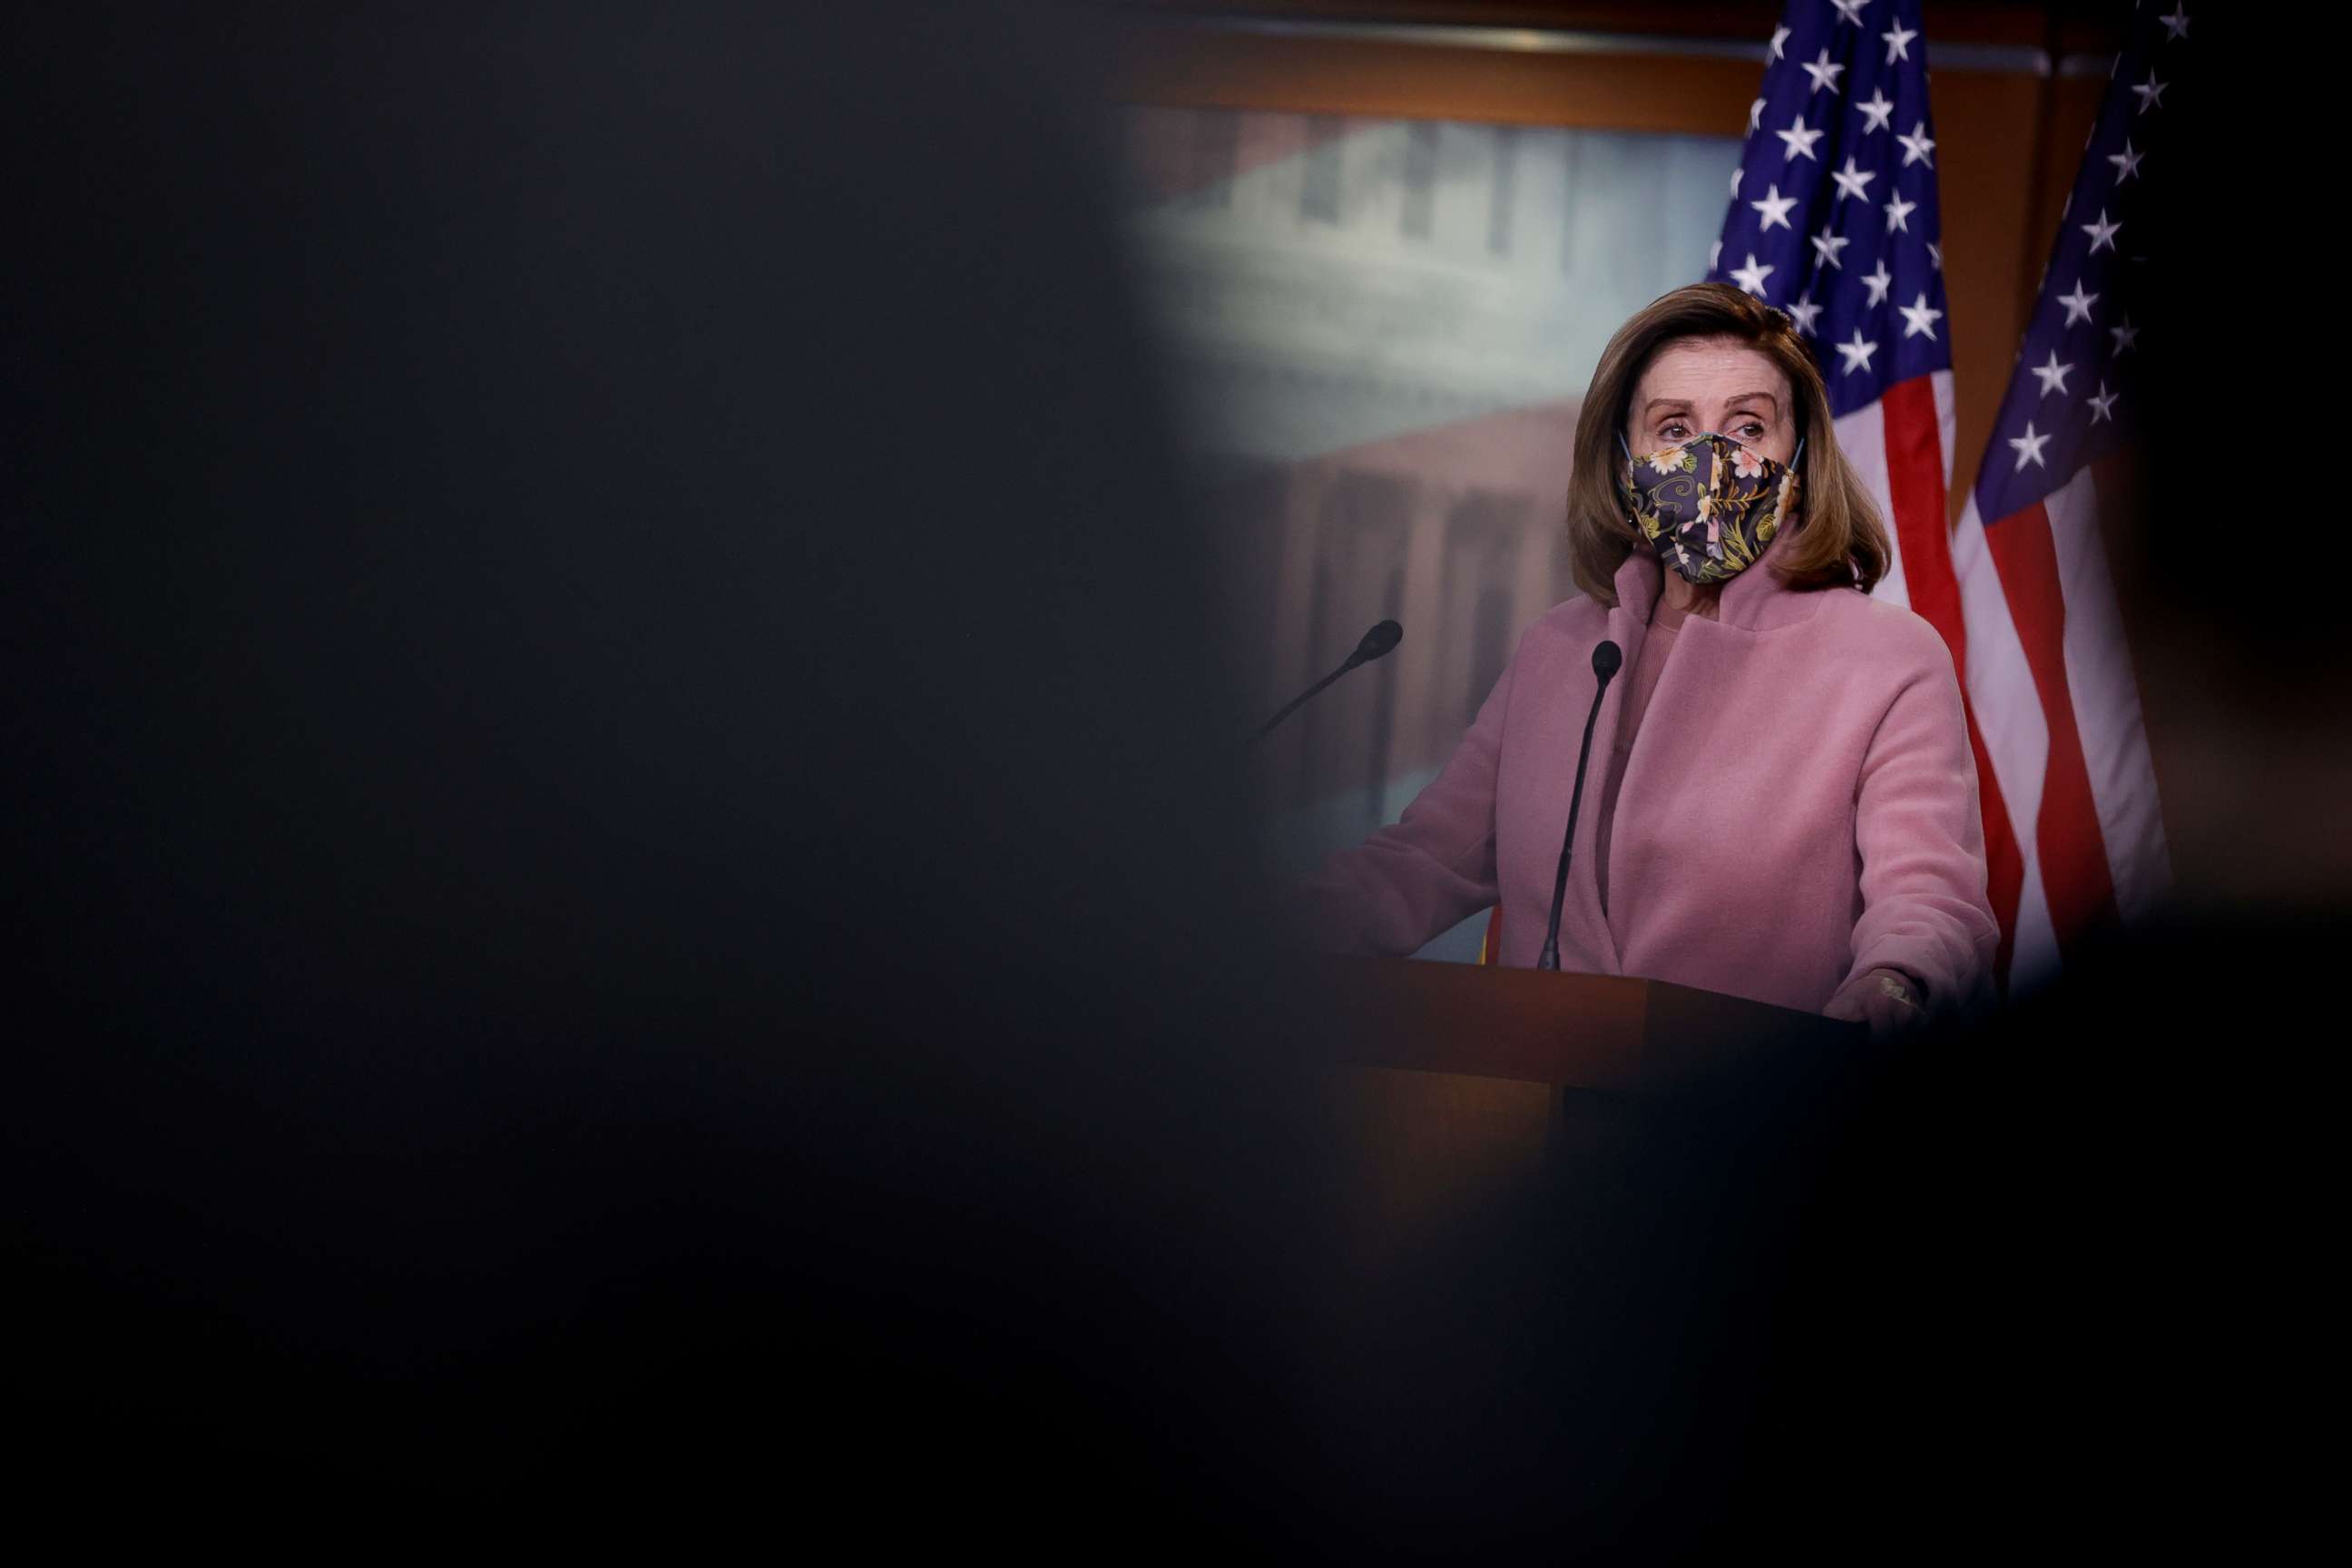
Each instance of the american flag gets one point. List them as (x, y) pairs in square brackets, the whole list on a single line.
[(1834, 218), (2049, 671)]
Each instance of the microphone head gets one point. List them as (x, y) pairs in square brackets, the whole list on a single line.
[(1376, 642), (1606, 660)]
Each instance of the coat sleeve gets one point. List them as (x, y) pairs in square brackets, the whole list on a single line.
[(1423, 874), (1925, 911)]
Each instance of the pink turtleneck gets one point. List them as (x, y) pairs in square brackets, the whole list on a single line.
[(1665, 621)]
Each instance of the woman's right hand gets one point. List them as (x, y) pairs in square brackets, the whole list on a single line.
[(1886, 999)]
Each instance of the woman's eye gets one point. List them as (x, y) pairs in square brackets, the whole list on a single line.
[(1675, 432), (1752, 432)]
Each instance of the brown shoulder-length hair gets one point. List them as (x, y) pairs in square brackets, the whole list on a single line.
[(1840, 543)]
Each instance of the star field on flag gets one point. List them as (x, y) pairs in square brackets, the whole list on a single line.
[(1835, 219)]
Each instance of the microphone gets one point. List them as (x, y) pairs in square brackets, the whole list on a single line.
[(1606, 660), (1373, 644)]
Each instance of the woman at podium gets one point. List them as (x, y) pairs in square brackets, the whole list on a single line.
[(1779, 800)]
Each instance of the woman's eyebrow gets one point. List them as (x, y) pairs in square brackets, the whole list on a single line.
[(1668, 404), (1764, 398)]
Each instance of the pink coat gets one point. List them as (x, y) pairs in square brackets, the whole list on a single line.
[(1798, 806)]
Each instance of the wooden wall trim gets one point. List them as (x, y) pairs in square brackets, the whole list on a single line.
[(2028, 59), (1685, 94)]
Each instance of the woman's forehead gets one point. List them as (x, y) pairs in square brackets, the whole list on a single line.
[(1707, 371)]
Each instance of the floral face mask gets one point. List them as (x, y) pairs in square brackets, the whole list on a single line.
[(1709, 506)]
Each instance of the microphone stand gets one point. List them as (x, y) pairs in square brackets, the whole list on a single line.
[(1606, 660)]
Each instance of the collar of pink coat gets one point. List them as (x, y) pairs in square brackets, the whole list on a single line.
[(1757, 600)]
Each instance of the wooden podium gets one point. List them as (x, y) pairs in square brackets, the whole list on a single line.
[(1576, 1218), (1458, 1083)]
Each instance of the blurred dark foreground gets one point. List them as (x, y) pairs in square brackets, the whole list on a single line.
[(629, 907)]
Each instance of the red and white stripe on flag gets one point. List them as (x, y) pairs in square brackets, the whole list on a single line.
[(1901, 448), (2049, 679)]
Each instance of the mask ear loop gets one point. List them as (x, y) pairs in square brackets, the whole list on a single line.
[(1629, 477), (1798, 456)]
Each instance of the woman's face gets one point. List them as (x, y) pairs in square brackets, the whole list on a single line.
[(1698, 385)]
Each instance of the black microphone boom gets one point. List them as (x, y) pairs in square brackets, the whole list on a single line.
[(1606, 660), (1373, 644)]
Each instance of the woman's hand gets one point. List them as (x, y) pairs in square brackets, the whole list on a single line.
[(1886, 999)]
